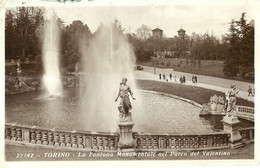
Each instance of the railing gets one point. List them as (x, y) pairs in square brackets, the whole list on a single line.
[(245, 112), (109, 141), (168, 141), (247, 134), (59, 138)]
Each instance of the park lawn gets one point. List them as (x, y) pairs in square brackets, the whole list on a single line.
[(197, 94), (208, 68)]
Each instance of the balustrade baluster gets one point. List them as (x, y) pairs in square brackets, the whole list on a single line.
[(106, 143), (13, 134), (149, 142), (94, 142), (19, 134), (100, 142), (44, 138), (68, 140), (33, 136), (172, 142), (80, 141), (144, 142), (38, 137), (155, 142), (7, 132), (62, 139), (56, 139), (112, 143), (167, 139), (138, 142), (74, 141), (116, 141), (50, 138), (196, 142)]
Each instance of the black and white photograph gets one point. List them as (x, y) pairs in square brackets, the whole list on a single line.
[(86, 81)]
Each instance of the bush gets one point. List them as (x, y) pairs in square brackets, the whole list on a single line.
[(162, 63), (168, 64)]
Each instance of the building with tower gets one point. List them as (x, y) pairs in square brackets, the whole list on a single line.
[(157, 33), (181, 33)]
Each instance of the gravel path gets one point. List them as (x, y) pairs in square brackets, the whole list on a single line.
[(214, 83)]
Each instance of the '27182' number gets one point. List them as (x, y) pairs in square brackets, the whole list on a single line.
[(24, 155)]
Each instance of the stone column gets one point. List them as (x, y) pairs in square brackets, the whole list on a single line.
[(231, 126), (126, 140)]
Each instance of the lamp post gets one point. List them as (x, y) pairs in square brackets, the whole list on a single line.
[(154, 66)]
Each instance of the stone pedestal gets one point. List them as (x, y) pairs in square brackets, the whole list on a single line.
[(126, 140), (231, 125)]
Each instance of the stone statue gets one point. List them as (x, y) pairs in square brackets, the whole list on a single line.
[(125, 104), (231, 100)]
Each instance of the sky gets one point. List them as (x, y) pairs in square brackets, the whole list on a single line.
[(198, 16), (192, 18)]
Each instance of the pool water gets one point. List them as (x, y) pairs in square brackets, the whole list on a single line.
[(154, 113)]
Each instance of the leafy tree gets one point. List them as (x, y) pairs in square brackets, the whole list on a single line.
[(72, 36), (21, 24)]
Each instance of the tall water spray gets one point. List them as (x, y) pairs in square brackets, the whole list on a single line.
[(107, 59), (50, 51)]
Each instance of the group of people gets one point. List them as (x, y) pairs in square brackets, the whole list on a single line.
[(181, 79), (164, 77)]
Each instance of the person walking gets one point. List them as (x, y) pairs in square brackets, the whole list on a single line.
[(181, 79), (160, 76), (184, 80), (195, 77), (163, 76), (175, 80), (170, 76), (250, 91)]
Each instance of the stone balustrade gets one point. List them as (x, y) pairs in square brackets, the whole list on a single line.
[(58, 138), (247, 134), (245, 112), (171, 141), (109, 141)]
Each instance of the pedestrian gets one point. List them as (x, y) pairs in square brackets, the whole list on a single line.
[(184, 80), (181, 79), (170, 76), (160, 76), (195, 77), (175, 80), (166, 79), (163, 76), (250, 91)]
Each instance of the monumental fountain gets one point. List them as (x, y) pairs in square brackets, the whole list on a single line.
[(79, 118)]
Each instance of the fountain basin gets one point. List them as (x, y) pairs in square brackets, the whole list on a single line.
[(158, 113)]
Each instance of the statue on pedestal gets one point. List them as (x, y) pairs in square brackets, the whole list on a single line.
[(125, 121), (125, 104), (231, 100)]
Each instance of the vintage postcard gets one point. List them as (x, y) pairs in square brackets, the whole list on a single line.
[(112, 83)]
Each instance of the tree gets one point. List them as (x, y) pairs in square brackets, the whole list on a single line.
[(240, 59), (26, 20), (72, 36), (21, 24), (143, 32), (10, 36)]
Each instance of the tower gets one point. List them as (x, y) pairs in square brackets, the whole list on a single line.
[(157, 33), (181, 33)]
